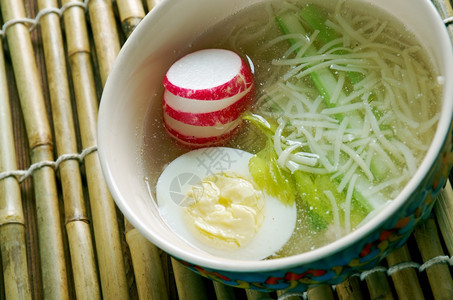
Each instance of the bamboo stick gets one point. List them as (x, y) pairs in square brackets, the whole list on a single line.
[(12, 220), (322, 292), (444, 7), (106, 230), (190, 285), (443, 210), (378, 286), (105, 35), (430, 247), (406, 282), (223, 292), (147, 265), (145, 257), (131, 13), (77, 222), (53, 265), (349, 289), (152, 3), (256, 295)]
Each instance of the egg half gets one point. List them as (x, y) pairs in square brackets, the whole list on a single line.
[(208, 198)]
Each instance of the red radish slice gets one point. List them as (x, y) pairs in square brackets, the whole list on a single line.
[(209, 74), (195, 114), (199, 136), (202, 106), (205, 94)]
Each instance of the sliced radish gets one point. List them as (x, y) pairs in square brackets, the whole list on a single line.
[(199, 136), (202, 106), (207, 113), (205, 94), (209, 74)]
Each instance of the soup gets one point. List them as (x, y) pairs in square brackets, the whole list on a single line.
[(345, 110)]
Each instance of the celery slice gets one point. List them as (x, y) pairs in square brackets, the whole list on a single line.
[(323, 79), (317, 21), (270, 178)]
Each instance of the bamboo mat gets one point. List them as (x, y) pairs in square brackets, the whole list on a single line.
[(62, 237)]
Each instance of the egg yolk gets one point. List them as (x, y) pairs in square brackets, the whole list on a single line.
[(226, 211)]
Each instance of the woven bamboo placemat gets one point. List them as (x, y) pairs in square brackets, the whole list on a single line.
[(61, 235)]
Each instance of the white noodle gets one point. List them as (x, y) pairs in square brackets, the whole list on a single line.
[(339, 141), (335, 212), (338, 89), (347, 208), (349, 30), (411, 162), (342, 109), (283, 157), (316, 148), (359, 161)]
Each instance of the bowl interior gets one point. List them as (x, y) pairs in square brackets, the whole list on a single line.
[(131, 100)]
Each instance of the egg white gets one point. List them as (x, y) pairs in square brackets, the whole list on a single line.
[(192, 167)]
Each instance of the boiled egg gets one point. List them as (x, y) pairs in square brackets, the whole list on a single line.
[(209, 199)]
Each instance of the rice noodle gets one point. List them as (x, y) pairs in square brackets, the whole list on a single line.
[(339, 141), (347, 208), (335, 212), (355, 135)]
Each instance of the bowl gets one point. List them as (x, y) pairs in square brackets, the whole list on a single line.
[(131, 109)]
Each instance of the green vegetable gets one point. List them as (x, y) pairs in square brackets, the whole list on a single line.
[(317, 21), (269, 177), (312, 191), (314, 17), (264, 168), (280, 183), (323, 79)]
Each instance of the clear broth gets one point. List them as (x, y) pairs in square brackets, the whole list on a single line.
[(257, 28)]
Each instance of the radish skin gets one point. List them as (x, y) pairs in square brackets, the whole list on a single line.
[(200, 136), (201, 106), (211, 118)]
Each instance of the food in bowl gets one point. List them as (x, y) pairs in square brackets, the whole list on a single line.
[(134, 148), (222, 211), (205, 93), (346, 106)]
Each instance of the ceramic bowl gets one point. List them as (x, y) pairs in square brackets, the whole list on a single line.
[(131, 109)]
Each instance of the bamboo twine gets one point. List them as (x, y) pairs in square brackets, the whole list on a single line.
[(443, 210), (105, 35), (349, 289), (53, 266), (190, 285), (288, 295), (12, 220), (406, 282), (106, 230), (322, 292), (429, 245), (77, 222), (147, 266), (131, 13), (444, 7)]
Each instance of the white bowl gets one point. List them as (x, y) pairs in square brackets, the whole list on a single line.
[(131, 99)]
